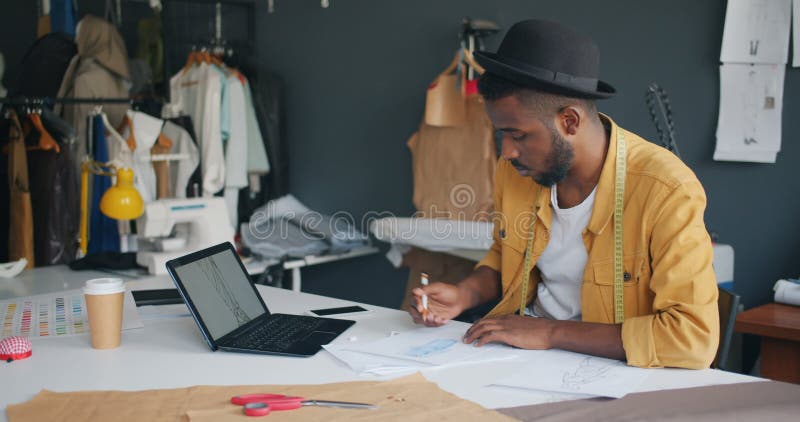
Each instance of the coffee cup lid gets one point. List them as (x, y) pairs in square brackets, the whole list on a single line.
[(104, 286)]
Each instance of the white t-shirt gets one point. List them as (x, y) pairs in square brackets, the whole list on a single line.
[(563, 261)]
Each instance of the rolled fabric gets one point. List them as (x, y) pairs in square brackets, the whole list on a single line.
[(787, 292)]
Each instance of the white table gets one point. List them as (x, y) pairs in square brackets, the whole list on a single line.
[(170, 352), (259, 266)]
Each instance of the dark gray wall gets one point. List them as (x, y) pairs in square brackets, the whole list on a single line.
[(356, 75)]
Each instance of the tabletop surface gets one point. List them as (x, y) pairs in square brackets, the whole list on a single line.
[(169, 352), (771, 320)]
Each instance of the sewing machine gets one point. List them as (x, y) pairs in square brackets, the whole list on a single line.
[(170, 228)]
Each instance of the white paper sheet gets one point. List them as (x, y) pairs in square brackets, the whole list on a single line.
[(432, 346), (795, 33), (751, 103), (756, 31), (56, 315), (567, 372)]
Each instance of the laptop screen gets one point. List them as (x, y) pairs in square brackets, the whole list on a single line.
[(221, 292)]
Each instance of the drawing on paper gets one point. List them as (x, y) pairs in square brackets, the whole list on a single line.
[(588, 371), (431, 348)]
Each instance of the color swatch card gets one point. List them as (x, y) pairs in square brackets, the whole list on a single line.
[(55, 315)]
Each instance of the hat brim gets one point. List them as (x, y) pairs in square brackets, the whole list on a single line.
[(494, 64)]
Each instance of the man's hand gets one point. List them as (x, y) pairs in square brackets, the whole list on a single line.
[(513, 330), (539, 333), (444, 303)]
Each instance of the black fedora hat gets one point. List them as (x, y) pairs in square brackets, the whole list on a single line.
[(548, 56)]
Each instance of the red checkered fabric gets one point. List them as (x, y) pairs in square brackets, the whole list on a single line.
[(15, 348)]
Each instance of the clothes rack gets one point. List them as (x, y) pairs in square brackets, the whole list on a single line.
[(39, 101)]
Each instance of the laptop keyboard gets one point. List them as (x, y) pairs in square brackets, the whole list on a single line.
[(278, 333)]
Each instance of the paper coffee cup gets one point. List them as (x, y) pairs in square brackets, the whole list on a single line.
[(104, 307)]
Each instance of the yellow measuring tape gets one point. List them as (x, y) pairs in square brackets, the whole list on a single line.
[(619, 198)]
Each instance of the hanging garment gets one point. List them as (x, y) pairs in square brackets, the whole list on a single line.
[(236, 148), (145, 131), (268, 102), (43, 67), (54, 195), (454, 166), (257, 160), (3, 90), (194, 183), (150, 45), (103, 231), (197, 92), (20, 234), (62, 16), (99, 70)]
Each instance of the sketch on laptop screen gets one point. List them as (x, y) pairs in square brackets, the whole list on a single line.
[(221, 292)]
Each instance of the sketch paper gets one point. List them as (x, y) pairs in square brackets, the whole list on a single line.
[(756, 31), (56, 315), (751, 102), (795, 32), (363, 363), (567, 372), (433, 346)]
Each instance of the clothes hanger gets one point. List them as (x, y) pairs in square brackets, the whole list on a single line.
[(469, 58), (453, 65), (128, 123), (46, 141), (34, 121), (114, 134)]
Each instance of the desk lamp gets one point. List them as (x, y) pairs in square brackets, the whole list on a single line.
[(119, 202)]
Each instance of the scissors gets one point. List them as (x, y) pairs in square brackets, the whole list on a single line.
[(262, 404)]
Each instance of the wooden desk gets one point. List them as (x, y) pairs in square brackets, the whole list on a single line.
[(779, 328)]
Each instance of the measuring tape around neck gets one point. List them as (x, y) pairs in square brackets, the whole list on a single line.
[(619, 198)]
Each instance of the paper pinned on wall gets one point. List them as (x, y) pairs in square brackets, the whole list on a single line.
[(751, 103), (796, 32), (756, 31), (567, 372)]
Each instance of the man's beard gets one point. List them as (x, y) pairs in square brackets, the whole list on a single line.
[(560, 161)]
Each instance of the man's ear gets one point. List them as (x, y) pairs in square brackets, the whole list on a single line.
[(570, 119)]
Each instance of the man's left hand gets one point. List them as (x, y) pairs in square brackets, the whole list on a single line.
[(514, 330)]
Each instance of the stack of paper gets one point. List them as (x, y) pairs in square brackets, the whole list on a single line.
[(422, 348)]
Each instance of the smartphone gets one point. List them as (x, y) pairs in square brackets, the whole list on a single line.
[(337, 312)]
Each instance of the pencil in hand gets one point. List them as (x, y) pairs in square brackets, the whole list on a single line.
[(424, 282)]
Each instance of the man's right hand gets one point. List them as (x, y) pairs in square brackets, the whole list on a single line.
[(445, 302)]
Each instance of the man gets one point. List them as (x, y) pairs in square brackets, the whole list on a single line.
[(555, 197)]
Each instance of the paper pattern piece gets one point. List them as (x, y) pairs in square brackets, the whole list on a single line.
[(751, 102), (411, 398), (432, 346), (756, 31), (567, 372), (56, 315)]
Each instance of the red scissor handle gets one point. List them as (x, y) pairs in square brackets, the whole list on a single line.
[(263, 408), (255, 398)]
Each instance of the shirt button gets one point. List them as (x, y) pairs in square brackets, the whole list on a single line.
[(626, 276)]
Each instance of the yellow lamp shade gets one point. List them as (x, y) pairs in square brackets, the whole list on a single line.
[(122, 202)]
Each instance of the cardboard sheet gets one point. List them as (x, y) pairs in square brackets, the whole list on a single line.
[(408, 398)]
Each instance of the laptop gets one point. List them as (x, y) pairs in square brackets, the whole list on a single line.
[(231, 314)]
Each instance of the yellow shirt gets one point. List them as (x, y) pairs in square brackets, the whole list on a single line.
[(671, 316)]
